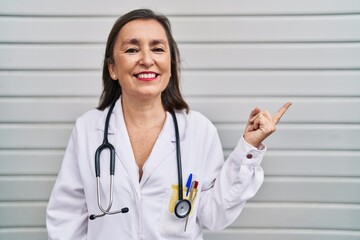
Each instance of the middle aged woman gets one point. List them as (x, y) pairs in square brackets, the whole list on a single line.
[(141, 75)]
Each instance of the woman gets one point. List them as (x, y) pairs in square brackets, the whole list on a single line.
[(141, 78)]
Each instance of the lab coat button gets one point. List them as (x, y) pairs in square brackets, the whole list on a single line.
[(249, 156)]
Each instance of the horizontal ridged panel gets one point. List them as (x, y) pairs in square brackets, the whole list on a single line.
[(282, 234), (35, 136), (254, 215), (275, 163), (47, 110), (63, 83), (186, 29), (218, 83), (274, 189), (230, 234), (320, 190), (27, 188), (22, 214), (261, 56), (23, 233), (289, 215), (322, 110), (30, 162), (200, 7), (324, 136), (312, 163), (233, 56), (271, 83)]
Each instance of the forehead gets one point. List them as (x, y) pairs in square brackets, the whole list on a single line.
[(142, 29)]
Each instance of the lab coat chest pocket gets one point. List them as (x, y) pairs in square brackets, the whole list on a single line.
[(170, 224)]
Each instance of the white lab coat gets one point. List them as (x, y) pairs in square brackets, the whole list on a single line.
[(224, 186)]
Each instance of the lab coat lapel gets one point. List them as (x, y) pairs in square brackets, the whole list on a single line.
[(164, 146)]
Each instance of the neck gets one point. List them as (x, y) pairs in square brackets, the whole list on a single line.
[(143, 114)]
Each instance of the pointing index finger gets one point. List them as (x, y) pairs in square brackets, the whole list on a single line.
[(277, 116)]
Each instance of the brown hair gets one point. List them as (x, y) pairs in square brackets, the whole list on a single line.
[(171, 97)]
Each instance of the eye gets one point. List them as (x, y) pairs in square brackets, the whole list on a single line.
[(158, 50), (131, 50)]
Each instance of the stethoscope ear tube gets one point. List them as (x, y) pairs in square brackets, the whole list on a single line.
[(111, 148)]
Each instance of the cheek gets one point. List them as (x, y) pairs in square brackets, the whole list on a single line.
[(163, 61), (124, 64)]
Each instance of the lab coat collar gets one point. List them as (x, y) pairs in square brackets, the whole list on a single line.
[(117, 122), (115, 118)]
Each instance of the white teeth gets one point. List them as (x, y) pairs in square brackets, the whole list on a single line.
[(146, 75)]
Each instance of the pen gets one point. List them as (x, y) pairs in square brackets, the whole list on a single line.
[(188, 184), (195, 187)]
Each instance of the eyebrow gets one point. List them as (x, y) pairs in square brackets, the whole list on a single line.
[(158, 41), (135, 41), (132, 41)]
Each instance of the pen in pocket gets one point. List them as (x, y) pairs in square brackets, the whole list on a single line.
[(193, 192), (188, 184)]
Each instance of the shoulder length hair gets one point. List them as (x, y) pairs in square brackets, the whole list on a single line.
[(171, 97)]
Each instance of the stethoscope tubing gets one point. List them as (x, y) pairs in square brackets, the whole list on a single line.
[(106, 145), (178, 156), (182, 207)]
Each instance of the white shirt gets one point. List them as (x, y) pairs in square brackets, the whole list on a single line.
[(223, 186)]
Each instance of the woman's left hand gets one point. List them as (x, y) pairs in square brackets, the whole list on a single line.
[(261, 124)]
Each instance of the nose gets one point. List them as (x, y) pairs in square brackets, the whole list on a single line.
[(146, 59)]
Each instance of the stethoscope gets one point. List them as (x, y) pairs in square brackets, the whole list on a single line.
[(182, 206)]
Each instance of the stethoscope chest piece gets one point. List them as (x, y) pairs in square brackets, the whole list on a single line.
[(182, 208)]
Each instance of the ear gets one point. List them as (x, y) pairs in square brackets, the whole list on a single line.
[(111, 69)]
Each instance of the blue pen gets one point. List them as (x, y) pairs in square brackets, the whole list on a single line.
[(188, 184)]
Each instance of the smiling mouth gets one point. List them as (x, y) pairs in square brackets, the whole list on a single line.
[(146, 76)]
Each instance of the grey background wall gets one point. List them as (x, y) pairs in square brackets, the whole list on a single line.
[(236, 55)]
